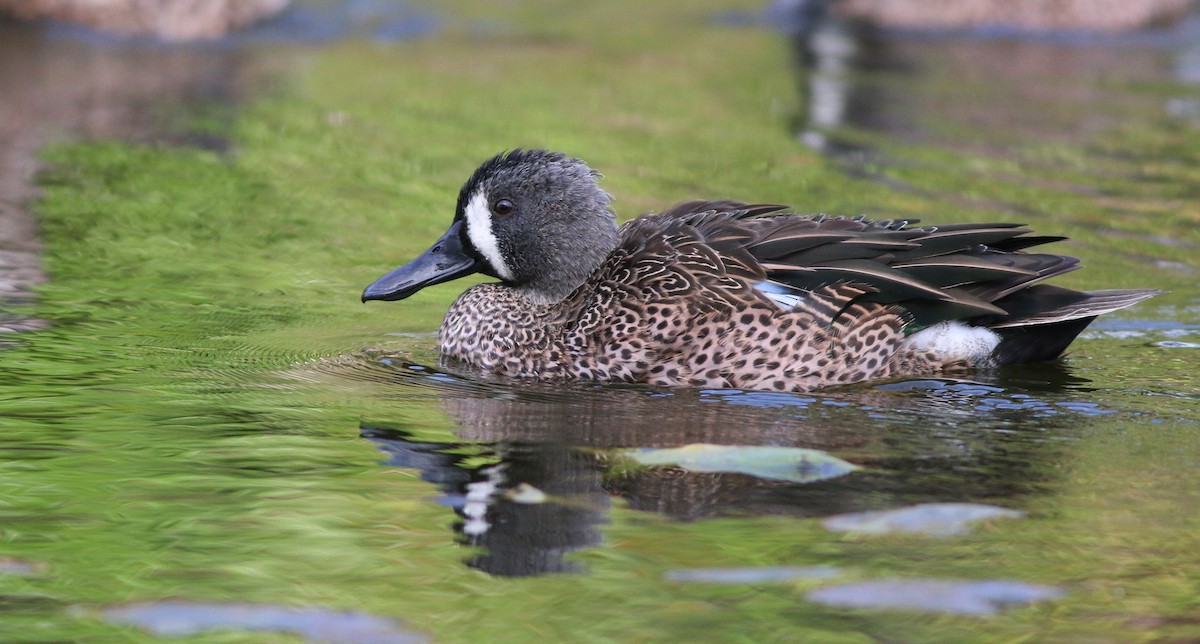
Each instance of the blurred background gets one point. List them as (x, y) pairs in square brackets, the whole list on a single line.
[(204, 434)]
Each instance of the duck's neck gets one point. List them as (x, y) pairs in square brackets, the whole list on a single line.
[(539, 296), (565, 260)]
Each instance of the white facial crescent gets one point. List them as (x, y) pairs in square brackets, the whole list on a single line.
[(479, 230)]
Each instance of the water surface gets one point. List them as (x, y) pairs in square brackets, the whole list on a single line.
[(210, 422)]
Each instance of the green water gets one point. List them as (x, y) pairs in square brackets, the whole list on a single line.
[(211, 412)]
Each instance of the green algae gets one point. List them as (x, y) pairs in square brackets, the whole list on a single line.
[(185, 428)]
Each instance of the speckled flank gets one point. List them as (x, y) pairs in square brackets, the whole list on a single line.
[(652, 337), (645, 322)]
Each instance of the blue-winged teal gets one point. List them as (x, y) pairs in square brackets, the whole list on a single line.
[(725, 294)]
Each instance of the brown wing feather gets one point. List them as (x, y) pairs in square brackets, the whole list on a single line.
[(717, 251)]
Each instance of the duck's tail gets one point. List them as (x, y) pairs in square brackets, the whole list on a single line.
[(1043, 319)]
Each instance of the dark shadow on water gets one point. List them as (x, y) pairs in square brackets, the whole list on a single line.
[(996, 439)]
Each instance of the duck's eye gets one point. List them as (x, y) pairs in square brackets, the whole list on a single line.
[(503, 207)]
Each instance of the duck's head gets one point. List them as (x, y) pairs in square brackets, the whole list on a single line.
[(536, 220)]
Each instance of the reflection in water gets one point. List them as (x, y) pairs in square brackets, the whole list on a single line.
[(54, 89), (971, 87), (519, 538), (825, 48), (61, 82), (917, 441)]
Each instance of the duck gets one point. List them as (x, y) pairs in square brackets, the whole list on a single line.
[(724, 294)]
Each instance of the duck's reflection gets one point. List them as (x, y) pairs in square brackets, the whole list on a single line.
[(545, 462), (537, 504)]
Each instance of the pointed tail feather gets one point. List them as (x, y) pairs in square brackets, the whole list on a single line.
[(1045, 304), (1037, 334)]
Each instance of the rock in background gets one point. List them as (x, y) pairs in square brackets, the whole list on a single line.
[(171, 20), (1036, 15)]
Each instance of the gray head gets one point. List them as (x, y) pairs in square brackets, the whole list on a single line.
[(537, 220)]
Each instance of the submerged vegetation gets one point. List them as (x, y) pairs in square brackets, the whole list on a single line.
[(191, 425)]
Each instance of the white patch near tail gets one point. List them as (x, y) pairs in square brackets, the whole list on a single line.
[(956, 340), (479, 230)]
